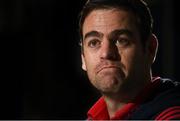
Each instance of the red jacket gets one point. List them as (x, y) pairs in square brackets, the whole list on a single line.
[(158, 101)]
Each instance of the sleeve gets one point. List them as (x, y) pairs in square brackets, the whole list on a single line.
[(172, 113)]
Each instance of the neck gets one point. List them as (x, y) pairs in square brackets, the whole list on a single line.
[(113, 105)]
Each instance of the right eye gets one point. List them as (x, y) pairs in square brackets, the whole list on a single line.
[(94, 43)]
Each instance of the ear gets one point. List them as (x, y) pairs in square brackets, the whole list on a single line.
[(83, 62), (153, 47)]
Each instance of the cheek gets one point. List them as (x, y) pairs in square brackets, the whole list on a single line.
[(91, 62), (127, 55), (130, 58), (90, 65), (138, 61)]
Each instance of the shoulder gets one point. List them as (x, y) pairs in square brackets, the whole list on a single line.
[(168, 90), (166, 95), (165, 98), (171, 113)]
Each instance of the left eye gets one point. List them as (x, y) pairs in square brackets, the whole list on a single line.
[(122, 42)]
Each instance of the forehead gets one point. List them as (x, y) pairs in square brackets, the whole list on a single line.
[(104, 20)]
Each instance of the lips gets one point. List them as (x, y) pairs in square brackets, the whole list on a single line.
[(109, 66)]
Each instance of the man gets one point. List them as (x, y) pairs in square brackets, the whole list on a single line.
[(118, 49)]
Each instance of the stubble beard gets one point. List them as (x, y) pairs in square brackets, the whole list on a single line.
[(108, 82)]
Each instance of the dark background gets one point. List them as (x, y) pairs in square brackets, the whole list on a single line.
[(40, 57)]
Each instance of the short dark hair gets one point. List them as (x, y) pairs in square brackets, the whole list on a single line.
[(138, 7)]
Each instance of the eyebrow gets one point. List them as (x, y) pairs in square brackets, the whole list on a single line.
[(120, 32), (112, 34), (93, 34)]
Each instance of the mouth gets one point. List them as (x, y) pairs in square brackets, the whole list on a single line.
[(107, 67)]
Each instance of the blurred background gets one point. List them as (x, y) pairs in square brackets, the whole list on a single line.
[(40, 58)]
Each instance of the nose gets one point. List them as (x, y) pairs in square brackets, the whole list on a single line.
[(109, 51)]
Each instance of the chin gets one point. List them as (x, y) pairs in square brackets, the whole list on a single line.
[(111, 87), (108, 83), (109, 91)]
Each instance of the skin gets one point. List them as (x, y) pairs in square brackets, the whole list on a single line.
[(113, 56)]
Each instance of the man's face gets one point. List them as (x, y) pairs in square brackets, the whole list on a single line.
[(113, 55)]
